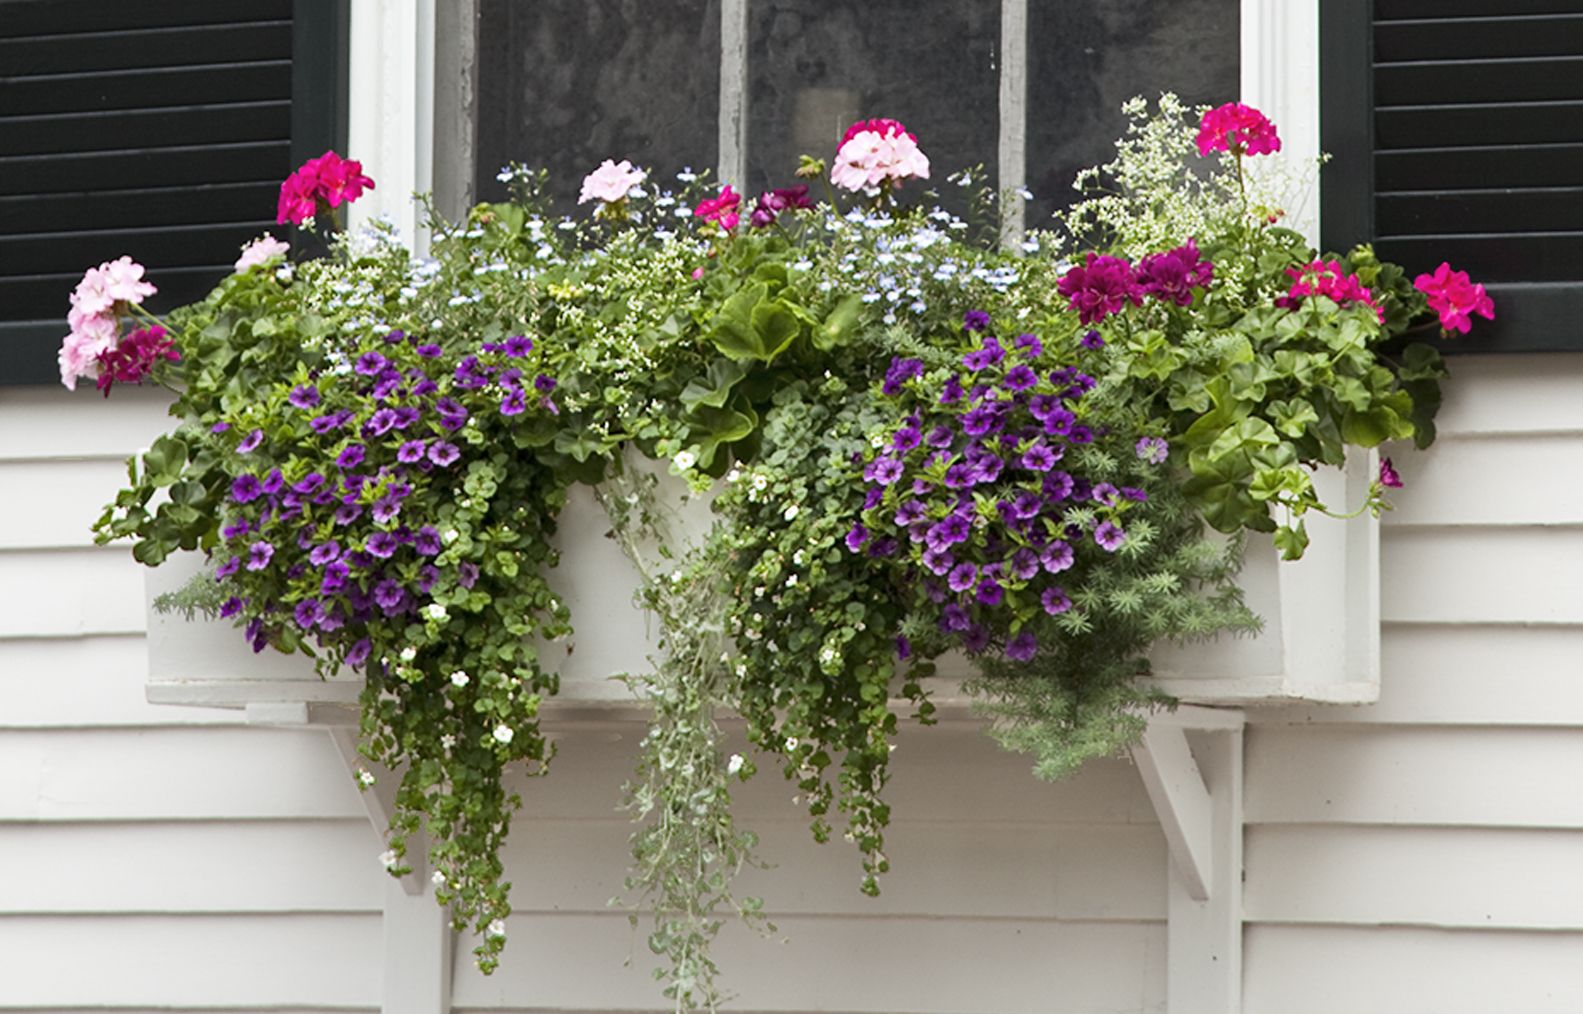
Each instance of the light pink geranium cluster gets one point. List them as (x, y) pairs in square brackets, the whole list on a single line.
[(261, 251), (1454, 297), (1326, 278), (97, 304), (611, 182), (874, 153), (328, 180), (1237, 128)]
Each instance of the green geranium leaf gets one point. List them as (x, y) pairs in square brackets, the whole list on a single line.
[(839, 326), (713, 389)]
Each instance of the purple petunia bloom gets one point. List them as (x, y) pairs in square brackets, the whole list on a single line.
[(351, 456), (428, 576), (513, 404), (1057, 486), (985, 356), (907, 513), (1057, 556), (903, 646), (951, 392), (395, 337), (305, 396), (259, 554), (411, 452), (1020, 378), (380, 423), (1024, 564), (1154, 450), (273, 482), (1038, 458), (250, 442), (1081, 435), (856, 537), (883, 547), (308, 613), (347, 513), (453, 414), (872, 498), (382, 545), (1055, 601), (331, 619), (1105, 493), (1092, 341), (1030, 345), (906, 438), (230, 607), (386, 508), (979, 421), (466, 573), (939, 560), (1042, 406), (1022, 647), (940, 436), (989, 593), (954, 618), (389, 596), (219, 427), (326, 552), (426, 540), (962, 577), (245, 488), (308, 484), (898, 373), (975, 320), (335, 575), (443, 453), (1135, 494), (1110, 536), (371, 364), (976, 639), (429, 350), (544, 383), (948, 531), (518, 345), (239, 527), (325, 423), (228, 568), (359, 653)]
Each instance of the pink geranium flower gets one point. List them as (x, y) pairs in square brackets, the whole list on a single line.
[(878, 152), (328, 180), (123, 280), (1239, 129), (80, 350), (1454, 297), (1326, 278), (261, 251), (610, 182), (721, 210)]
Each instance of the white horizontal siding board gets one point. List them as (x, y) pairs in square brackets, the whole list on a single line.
[(1414, 775), (85, 682), (1513, 394), (917, 966), (1329, 970), (1518, 575), (215, 867), (192, 773), (951, 771), (1105, 872), (1465, 675), (70, 593), (42, 422), (198, 962), (1502, 480), (1480, 878), (58, 503)]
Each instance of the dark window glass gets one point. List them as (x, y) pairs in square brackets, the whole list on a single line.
[(815, 66), (1087, 57), (565, 86)]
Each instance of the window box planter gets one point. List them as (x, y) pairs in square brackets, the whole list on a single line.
[(1320, 640)]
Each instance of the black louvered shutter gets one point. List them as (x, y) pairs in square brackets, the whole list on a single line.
[(1456, 129), (160, 130)]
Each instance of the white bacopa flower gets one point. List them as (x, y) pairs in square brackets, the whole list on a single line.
[(459, 678), (436, 611), (791, 581), (503, 734), (685, 460), (791, 512), (364, 778), (409, 653), (437, 878), (791, 742), (734, 764), (497, 928), (389, 859), (451, 535), (447, 741)]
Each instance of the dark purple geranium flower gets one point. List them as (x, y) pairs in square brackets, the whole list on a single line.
[(1100, 287), (1172, 276)]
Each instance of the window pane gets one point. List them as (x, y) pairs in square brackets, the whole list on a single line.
[(817, 65), (1087, 57), (565, 86)]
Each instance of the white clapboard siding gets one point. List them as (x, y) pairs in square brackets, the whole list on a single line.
[(1491, 480), (1482, 575), (1467, 674), (203, 962), (193, 773), (1512, 395), (84, 682), (60, 501), (70, 593), (1460, 878), (892, 965), (1352, 970), (48, 423)]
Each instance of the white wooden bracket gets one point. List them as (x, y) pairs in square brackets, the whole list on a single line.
[(1196, 789), (420, 946)]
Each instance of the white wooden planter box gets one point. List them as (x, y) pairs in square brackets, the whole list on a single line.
[(1320, 640)]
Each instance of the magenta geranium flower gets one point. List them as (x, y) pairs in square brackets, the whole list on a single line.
[(1326, 278), (772, 202), (1172, 276), (328, 180), (1237, 128), (1388, 475), (721, 210), (1454, 298), (1100, 287)]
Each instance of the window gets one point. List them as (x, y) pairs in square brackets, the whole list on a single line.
[(156, 130), (1454, 132)]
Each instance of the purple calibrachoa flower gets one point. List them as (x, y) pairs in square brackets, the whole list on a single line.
[(443, 453), (238, 527), (1057, 486), (1056, 557), (976, 639), (308, 613), (962, 577), (1154, 450), (382, 545), (518, 345), (985, 356), (906, 438), (386, 508), (453, 414), (1022, 647), (389, 596), (305, 396), (411, 452), (899, 372), (325, 552), (325, 423), (949, 530), (938, 437), (1024, 564), (975, 320), (382, 422), (351, 456), (1054, 600), (308, 484), (429, 350), (1092, 341), (513, 404), (1105, 493), (1110, 536), (347, 513), (1030, 345), (228, 568), (466, 573), (371, 364), (989, 593), (273, 483), (883, 471), (359, 653), (856, 537), (426, 540), (544, 383), (939, 560), (335, 575), (955, 618), (250, 442), (951, 391), (245, 488), (230, 607), (903, 647), (910, 512), (406, 415), (1020, 378), (259, 554), (1038, 458)]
